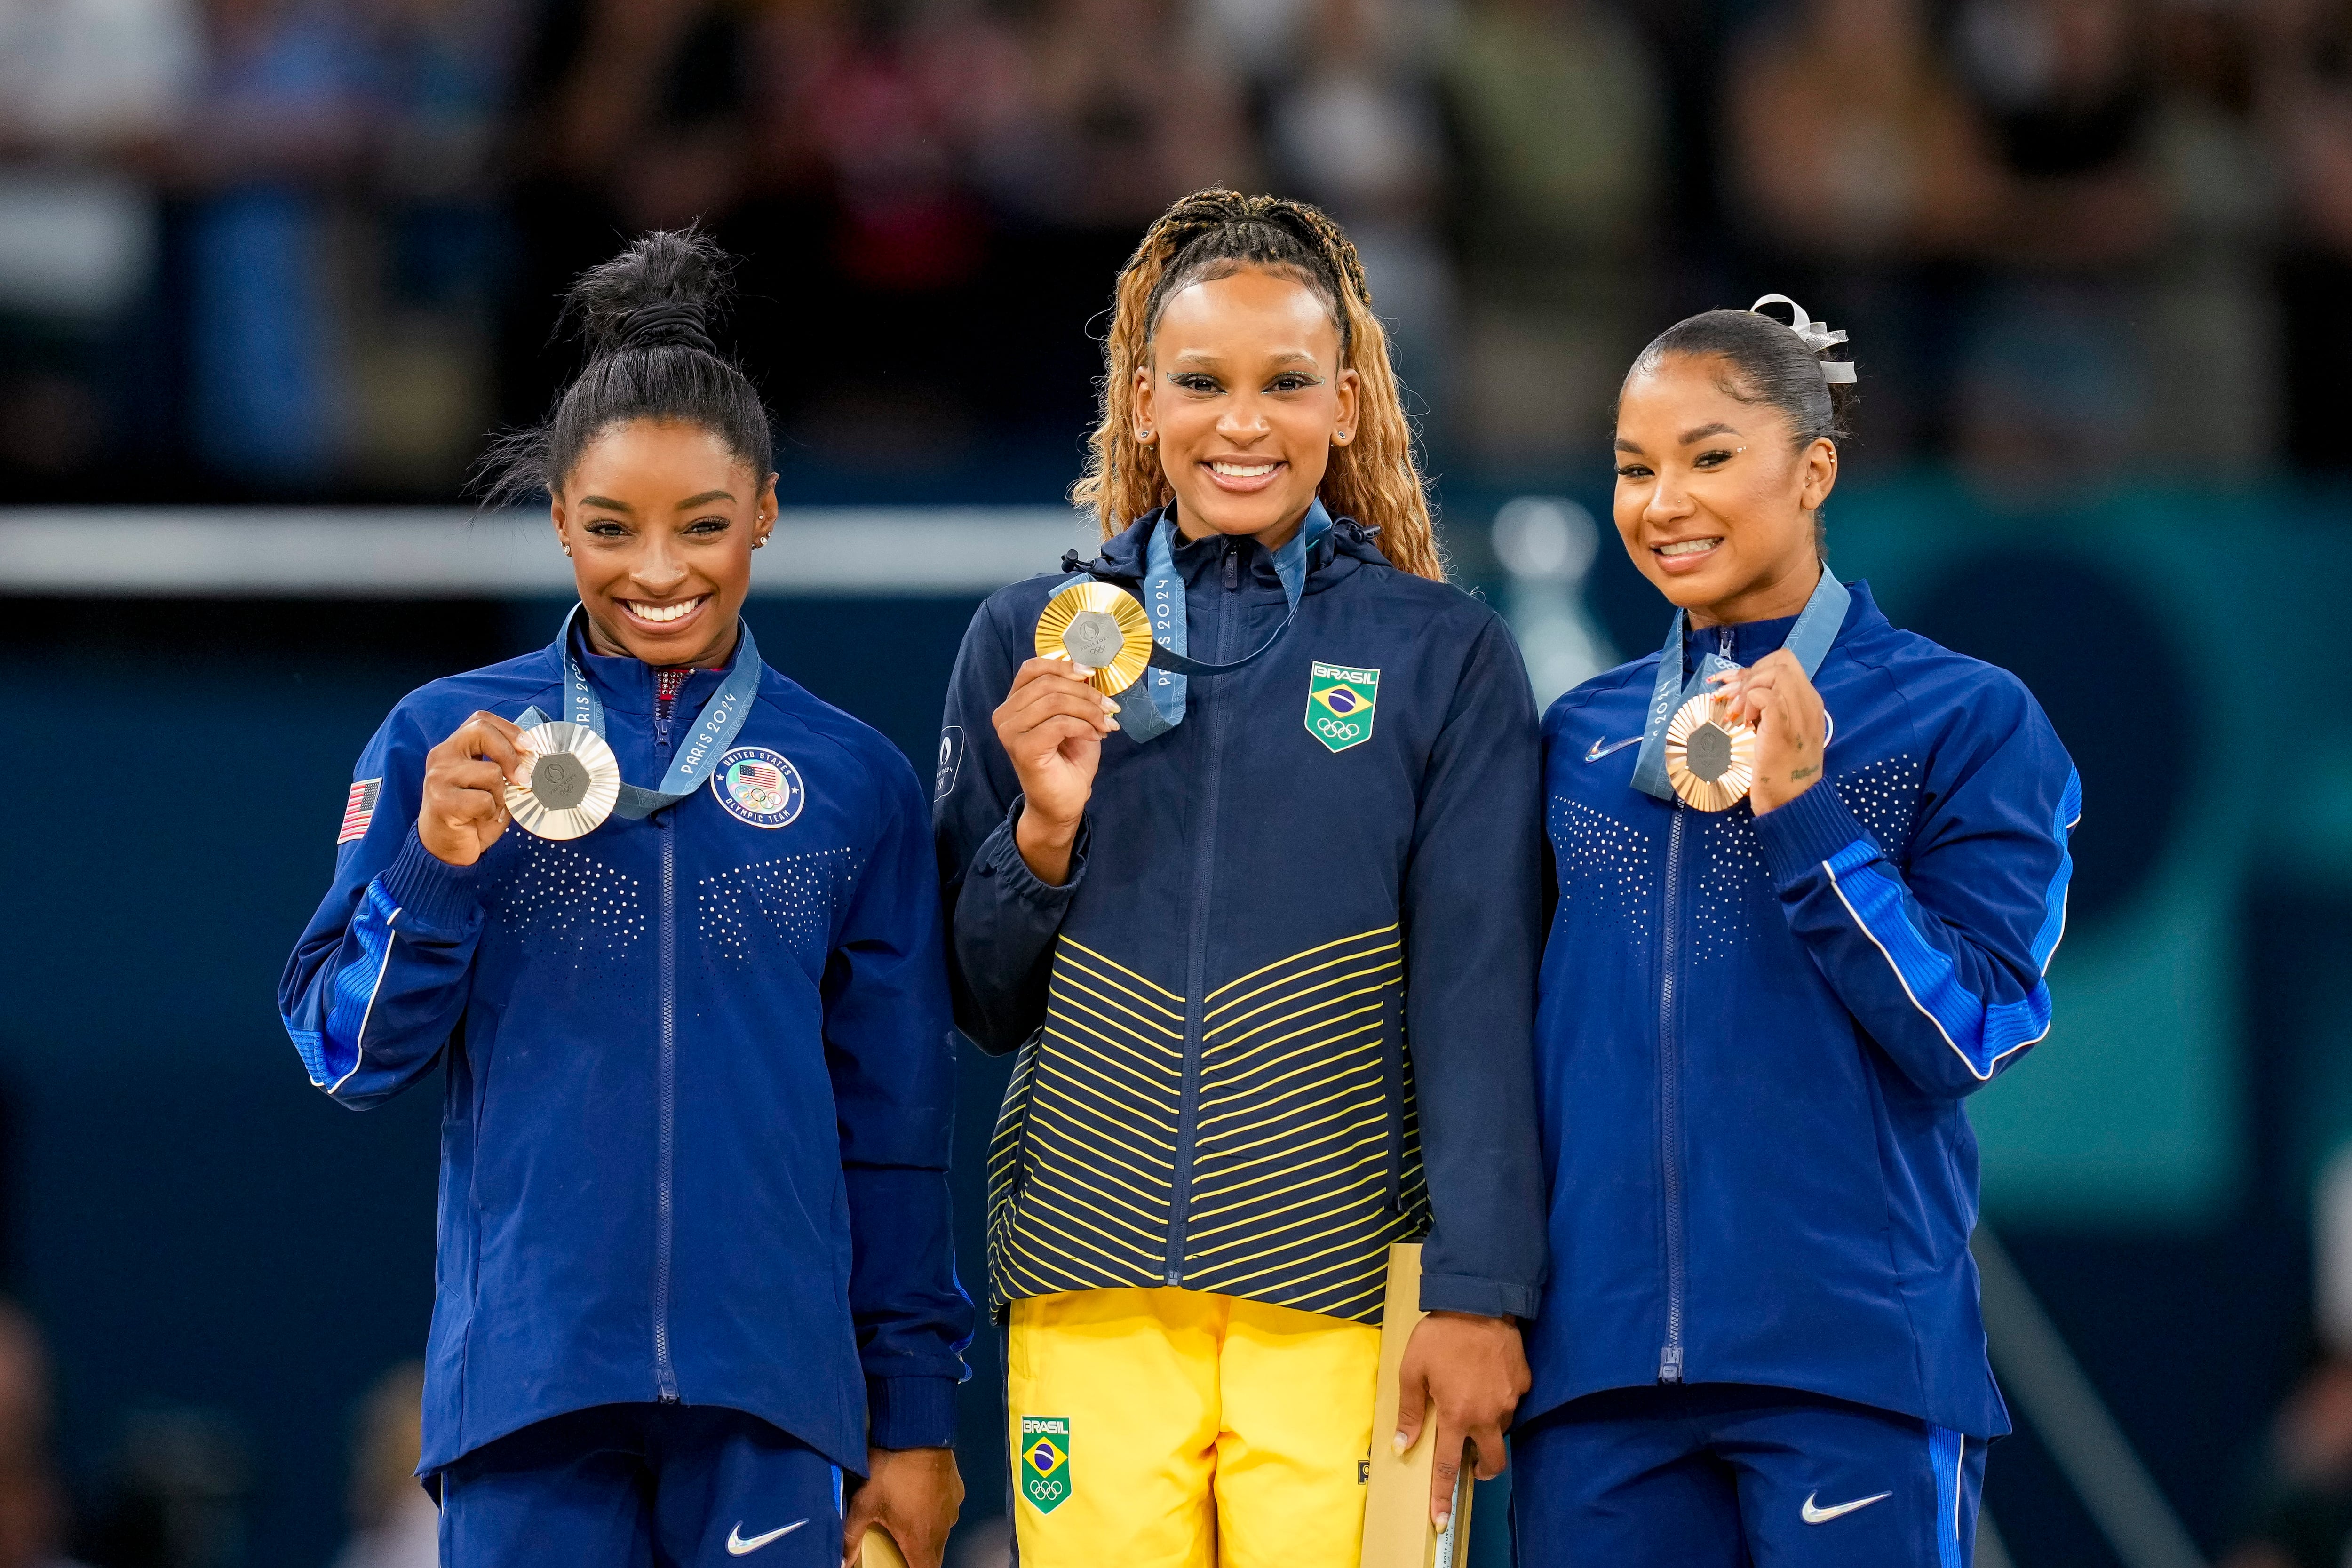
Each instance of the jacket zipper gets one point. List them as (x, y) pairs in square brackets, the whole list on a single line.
[(1670, 1085), (666, 1375), (1670, 1104), (1205, 840)]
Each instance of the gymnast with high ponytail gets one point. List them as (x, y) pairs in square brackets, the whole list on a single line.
[(669, 928), (1239, 823)]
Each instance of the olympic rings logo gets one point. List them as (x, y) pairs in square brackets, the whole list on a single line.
[(1338, 728)]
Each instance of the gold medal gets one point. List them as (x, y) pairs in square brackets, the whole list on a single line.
[(1710, 756), (570, 781), (1100, 626)]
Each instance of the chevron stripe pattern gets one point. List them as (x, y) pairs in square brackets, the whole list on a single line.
[(1306, 1164)]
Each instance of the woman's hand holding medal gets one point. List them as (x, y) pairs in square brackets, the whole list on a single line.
[(1052, 725), (1773, 697), (464, 809)]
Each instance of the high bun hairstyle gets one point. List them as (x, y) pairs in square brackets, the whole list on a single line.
[(645, 318), (1213, 234), (1769, 361)]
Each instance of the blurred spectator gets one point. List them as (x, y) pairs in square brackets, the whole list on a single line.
[(87, 91), (2305, 77), (32, 1504), (1558, 114), (1353, 127), (394, 1522)]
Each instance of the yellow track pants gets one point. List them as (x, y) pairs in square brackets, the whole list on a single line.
[(1182, 1429)]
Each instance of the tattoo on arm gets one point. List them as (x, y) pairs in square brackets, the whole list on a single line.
[(1803, 773)]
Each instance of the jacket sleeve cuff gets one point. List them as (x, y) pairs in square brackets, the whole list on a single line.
[(1801, 834), (430, 893), (1483, 1298), (1000, 857), (910, 1412)]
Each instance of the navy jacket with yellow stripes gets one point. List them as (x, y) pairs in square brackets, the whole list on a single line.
[(1280, 1015)]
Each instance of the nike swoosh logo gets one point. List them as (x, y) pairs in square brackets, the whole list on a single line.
[(739, 1547), (1813, 1515), (1605, 748)]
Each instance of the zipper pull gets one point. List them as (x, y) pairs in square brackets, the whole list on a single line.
[(1233, 565), (1670, 1364)]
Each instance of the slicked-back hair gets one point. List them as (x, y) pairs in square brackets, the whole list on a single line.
[(646, 318)]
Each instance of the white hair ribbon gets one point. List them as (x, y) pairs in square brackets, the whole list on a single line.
[(1814, 335)]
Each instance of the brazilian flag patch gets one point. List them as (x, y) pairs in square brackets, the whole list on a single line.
[(1341, 703), (1046, 1461)]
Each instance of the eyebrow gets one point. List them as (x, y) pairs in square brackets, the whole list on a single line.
[(1703, 431), (607, 502), (706, 497), (1625, 445)]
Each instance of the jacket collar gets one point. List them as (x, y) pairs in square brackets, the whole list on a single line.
[(1122, 554), (628, 685), (1752, 640)]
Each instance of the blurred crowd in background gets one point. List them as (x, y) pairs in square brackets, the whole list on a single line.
[(256, 250)]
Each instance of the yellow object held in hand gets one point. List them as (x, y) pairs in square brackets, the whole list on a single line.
[(880, 1552), (1102, 627), (1398, 1531)]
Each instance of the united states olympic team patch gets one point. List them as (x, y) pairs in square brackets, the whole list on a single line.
[(759, 786)]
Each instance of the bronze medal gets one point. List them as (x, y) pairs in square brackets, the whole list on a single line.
[(1710, 756)]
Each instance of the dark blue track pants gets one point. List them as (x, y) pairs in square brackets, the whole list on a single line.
[(1727, 1476), (642, 1485)]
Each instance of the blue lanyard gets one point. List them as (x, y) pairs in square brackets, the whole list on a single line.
[(1808, 639), (715, 728), (1164, 601)]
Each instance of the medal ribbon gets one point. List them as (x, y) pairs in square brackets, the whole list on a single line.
[(1808, 639), (1164, 601), (715, 728)]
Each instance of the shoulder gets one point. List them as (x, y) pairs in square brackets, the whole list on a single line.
[(1941, 688), (858, 754), (428, 714), (1635, 677)]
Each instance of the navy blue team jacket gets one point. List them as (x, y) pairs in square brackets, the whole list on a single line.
[(1280, 1014), (698, 1105), (1755, 1033)]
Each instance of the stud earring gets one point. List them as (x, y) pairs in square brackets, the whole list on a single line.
[(760, 542), (567, 549), (1146, 436)]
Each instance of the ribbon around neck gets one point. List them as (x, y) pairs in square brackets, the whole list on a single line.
[(1808, 639), (1165, 681), (1814, 335), (715, 728)]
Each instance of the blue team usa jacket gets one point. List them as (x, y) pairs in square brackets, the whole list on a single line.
[(1755, 1033), (1279, 1016), (697, 1091)]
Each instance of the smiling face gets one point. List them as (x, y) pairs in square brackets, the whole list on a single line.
[(1714, 501), (660, 519), (1245, 398)]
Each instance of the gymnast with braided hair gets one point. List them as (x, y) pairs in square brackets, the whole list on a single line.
[(1261, 929)]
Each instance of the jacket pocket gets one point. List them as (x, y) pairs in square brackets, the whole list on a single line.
[(1008, 1161)]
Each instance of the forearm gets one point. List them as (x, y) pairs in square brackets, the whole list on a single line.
[(1003, 921)]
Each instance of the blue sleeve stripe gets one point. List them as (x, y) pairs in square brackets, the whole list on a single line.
[(1948, 1453), (337, 1051), (2053, 916), (1982, 1035)]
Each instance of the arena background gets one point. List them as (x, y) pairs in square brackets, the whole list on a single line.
[(270, 268)]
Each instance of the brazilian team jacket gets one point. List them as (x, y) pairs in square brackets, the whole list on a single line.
[(1279, 1015), (1755, 1033), (699, 1092)]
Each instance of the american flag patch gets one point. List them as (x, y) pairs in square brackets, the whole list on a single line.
[(359, 809)]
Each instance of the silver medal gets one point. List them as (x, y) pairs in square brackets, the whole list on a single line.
[(571, 780)]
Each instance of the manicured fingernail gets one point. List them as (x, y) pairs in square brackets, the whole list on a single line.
[(1400, 1442), (1442, 1521), (1109, 706), (1083, 671)]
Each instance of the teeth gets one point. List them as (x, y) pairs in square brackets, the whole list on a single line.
[(1688, 547), (659, 613), (1243, 470)]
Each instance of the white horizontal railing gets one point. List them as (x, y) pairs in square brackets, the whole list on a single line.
[(428, 552)]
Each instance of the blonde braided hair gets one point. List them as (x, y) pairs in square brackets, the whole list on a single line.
[(1213, 234)]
